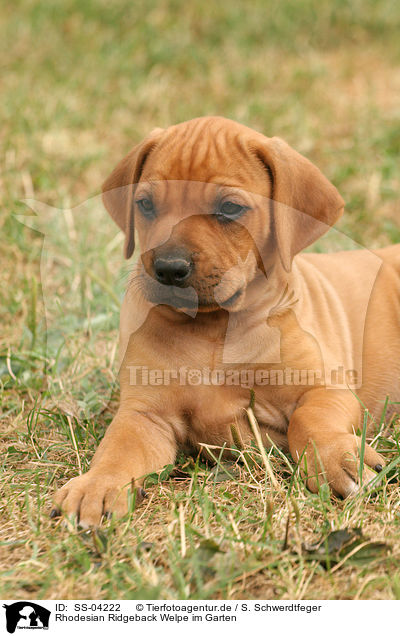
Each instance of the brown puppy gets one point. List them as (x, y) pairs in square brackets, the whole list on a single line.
[(219, 303)]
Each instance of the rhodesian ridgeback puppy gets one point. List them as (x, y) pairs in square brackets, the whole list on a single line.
[(221, 306)]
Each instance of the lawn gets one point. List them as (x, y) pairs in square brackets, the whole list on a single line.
[(82, 82)]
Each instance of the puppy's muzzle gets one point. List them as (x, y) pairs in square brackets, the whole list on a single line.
[(174, 268)]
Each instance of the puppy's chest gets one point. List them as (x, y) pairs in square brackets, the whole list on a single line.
[(210, 414), (201, 395)]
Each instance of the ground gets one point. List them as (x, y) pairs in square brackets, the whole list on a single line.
[(81, 83)]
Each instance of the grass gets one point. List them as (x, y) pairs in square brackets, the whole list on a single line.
[(81, 83)]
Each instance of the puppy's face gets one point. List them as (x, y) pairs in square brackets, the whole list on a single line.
[(200, 223), (200, 196)]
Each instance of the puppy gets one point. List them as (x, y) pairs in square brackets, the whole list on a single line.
[(221, 306)]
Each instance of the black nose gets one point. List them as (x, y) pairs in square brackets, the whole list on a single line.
[(173, 270)]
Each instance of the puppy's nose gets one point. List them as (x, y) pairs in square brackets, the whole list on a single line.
[(173, 270)]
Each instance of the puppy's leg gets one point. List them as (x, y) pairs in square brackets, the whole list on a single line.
[(133, 446), (322, 437)]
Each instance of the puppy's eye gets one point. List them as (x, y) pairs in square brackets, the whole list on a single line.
[(146, 207), (230, 211)]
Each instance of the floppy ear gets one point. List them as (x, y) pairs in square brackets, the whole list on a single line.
[(305, 203), (119, 188)]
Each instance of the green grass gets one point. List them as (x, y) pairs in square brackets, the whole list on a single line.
[(81, 83)]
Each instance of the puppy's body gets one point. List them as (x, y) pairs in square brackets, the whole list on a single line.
[(333, 288), (363, 318), (241, 304)]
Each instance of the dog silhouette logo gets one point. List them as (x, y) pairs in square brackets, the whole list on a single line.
[(26, 615)]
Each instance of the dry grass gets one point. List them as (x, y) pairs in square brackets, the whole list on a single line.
[(81, 83)]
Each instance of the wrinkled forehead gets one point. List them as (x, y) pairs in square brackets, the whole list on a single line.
[(220, 159)]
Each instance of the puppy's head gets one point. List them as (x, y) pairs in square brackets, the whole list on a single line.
[(215, 204)]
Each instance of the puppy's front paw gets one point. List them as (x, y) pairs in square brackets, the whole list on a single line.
[(88, 497), (338, 464)]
